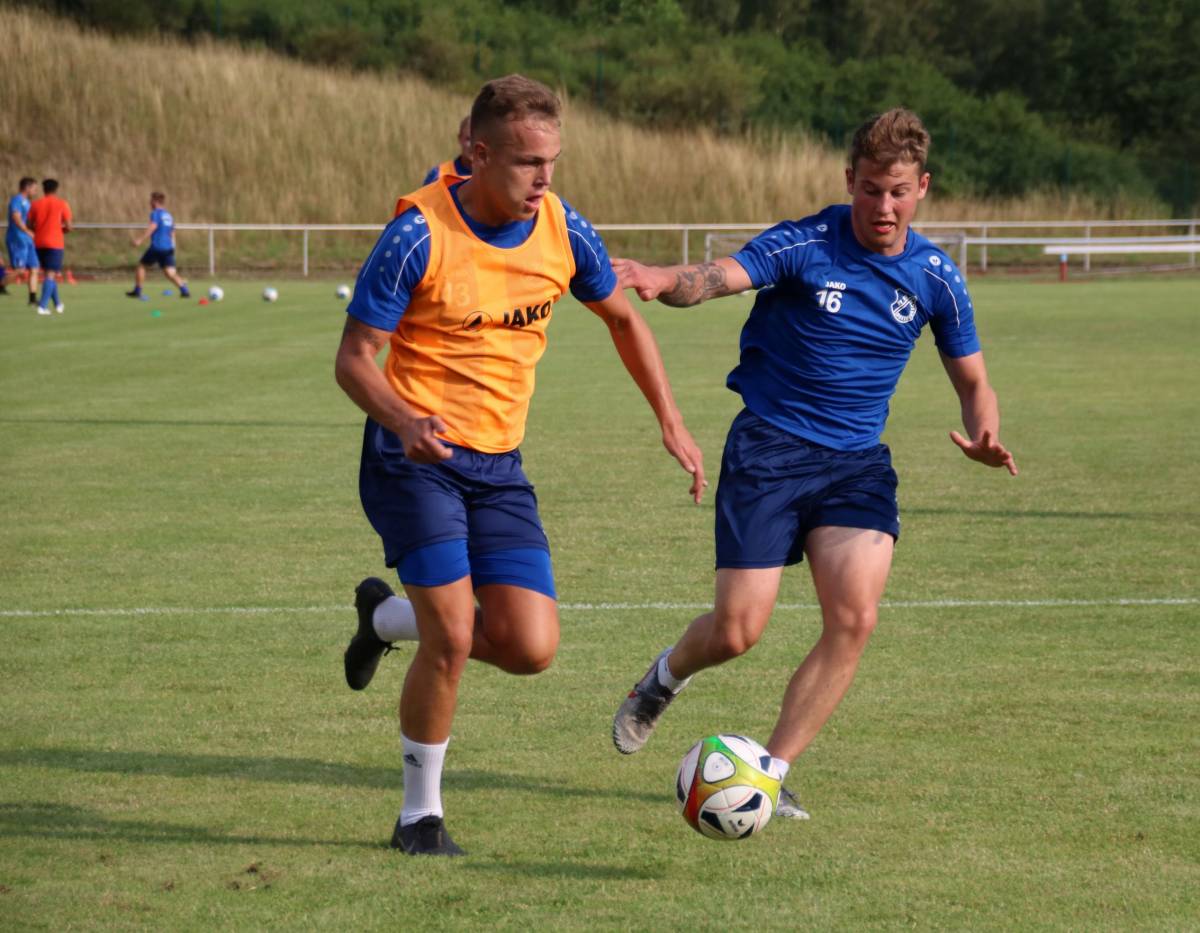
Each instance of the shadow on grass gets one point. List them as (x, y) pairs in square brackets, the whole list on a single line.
[(38, 820), (62, 821), (282, 770), (180, 423)]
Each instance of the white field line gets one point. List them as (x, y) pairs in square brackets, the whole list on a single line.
[(608, 607)]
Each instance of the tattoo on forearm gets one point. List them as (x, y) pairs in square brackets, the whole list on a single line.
[(372, 335), (694, 284)]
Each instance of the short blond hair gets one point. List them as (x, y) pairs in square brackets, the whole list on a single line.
[(513, 97), (887, 138)]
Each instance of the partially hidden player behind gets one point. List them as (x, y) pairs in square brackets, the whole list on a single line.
[(457, 168), (161, 251), (843, 296), (461, 287), (460, 165), (22, 255), (49, 219)]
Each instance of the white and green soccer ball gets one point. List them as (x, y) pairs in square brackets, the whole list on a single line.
[(270, 294), (343, 292), (216, 293), (727, 787)]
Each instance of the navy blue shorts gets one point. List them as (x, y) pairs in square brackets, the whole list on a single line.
[(158, 257), (483, 499), (50, 259), (775, 487), (21, 253)]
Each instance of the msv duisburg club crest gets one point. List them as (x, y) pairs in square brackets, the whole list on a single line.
[(904, 307)]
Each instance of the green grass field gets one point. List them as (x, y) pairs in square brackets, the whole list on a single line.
[(181, 536)]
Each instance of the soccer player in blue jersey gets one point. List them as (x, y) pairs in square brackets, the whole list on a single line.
[(843, 296), (161, 251), (462, 288), (460, 165), (22, 255)]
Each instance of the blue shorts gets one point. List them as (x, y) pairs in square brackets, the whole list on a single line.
[(775, 487), (429, 514), (50, 259), (21, 254), (158, 257)]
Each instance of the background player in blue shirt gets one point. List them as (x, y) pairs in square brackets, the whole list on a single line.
[(843, 296), (19, 238), (161, 251)]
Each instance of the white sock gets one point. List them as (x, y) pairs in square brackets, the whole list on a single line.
[(394, 620), (422, 780), (782, 765), (667, 679)]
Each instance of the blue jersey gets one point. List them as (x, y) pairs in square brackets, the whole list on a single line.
[(834, 324), (163, 237), (18, 204), (380, 298)]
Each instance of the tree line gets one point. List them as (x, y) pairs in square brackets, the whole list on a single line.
[(1096, 96)]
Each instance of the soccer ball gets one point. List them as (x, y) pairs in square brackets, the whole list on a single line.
[(343, 292), (727, 787), (216, 293), (269, 294)]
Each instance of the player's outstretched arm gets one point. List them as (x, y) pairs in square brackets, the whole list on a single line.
[(359, 376), (148, 232), (639, 353), (980, 412), (682, 286)]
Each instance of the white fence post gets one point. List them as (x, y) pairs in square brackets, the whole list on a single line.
[(212, 253), (1087, 257), (983, 250), (306, 252)]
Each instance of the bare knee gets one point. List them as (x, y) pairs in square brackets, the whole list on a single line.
[(734, 634), (447, 650), (852, 624), (530, 662), (530, 654)]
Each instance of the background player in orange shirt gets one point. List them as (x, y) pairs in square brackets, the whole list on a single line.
[(462, 285), (460, 165), (49, 219)]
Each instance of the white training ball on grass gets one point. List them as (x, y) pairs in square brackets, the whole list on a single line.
[(216, 293), (270, 294), (343, 292)]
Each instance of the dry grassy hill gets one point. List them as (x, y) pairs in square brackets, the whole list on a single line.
[(235, 135)]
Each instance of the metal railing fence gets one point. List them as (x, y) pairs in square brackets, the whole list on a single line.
[(972, 240)]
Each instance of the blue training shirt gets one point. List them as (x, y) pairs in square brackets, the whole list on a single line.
[(18, 204), (389, 275), (163, 236), (834, 324)]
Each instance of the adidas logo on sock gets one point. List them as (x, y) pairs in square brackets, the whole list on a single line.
[(411, 759)]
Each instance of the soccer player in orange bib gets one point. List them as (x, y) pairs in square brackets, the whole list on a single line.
[(462, 287), (460, 165)]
